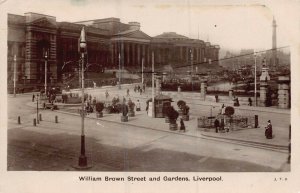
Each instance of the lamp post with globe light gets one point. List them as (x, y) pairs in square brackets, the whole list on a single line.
[(46, 60), (82, 163)]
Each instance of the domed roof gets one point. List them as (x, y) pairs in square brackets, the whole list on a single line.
[(171, 35)]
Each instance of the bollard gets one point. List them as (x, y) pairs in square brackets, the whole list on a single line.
[(255, 121), (19, 120), (34, 122), (40, 117), (56, 119)]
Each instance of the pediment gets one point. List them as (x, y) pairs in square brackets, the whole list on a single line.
[(137, 34), (43, 22)]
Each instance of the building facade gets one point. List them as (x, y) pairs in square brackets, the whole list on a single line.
[(110, 43)]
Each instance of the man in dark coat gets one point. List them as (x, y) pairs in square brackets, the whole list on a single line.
[(269, 130), (182, 126), (249, 101), (217, 125)]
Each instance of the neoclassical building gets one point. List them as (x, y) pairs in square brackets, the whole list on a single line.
[(109, 42)]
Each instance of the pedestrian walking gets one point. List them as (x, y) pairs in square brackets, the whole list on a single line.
[(138, 106), (269, 130), (236, 102), (222, 125), (90, 98), (33, 97), (128, 92), (217, 125), (182, 126), (106, 94), (249, 101), (141, 91), (147, 106), (94, 103), (222, 110), (217, 98)]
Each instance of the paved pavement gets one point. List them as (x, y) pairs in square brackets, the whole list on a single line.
[(280, 117), (138, 145)]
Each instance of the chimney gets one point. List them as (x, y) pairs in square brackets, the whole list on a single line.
[(134, 25)]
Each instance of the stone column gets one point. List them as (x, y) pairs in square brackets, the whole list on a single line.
[(117, 50), (139, 55), (144, 53), (283, 92), (264, 78), (158, 85), (148, 54), (133, 61), (127, 52), (187, 54), (30, 67), (158, 55), (203, 89), (199, 50), (52, 65), (263, 93), (122, 52), (112, 51), (195, 55), (202, 54), (181, 55)]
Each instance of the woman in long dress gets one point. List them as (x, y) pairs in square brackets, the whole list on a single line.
[(269, 130)]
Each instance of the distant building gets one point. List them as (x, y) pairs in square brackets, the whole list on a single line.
[(31, 35)]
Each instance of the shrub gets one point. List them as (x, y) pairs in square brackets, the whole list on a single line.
[(229, 110), (131, 105), (124, 109), (99, 107), (181, 103), (183, 107), (171, 113), (115, 101), (185, 110)]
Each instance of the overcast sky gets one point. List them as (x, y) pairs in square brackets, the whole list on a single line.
[(227, 23)]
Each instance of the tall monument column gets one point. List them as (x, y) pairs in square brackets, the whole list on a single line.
[(274, 63)]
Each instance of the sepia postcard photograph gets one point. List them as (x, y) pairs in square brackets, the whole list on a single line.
[(129, 96)]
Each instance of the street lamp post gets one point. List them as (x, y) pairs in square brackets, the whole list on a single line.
[(211, 107), (82, 158), (153, 94), (255, 89), (15, 74), (37, 109), (119, 71), (46, 59), (192, 68), (142, 71)]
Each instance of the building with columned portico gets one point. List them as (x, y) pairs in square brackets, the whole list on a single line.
[(109, 42)]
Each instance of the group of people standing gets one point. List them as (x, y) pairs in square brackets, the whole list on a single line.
[(139, 89)]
